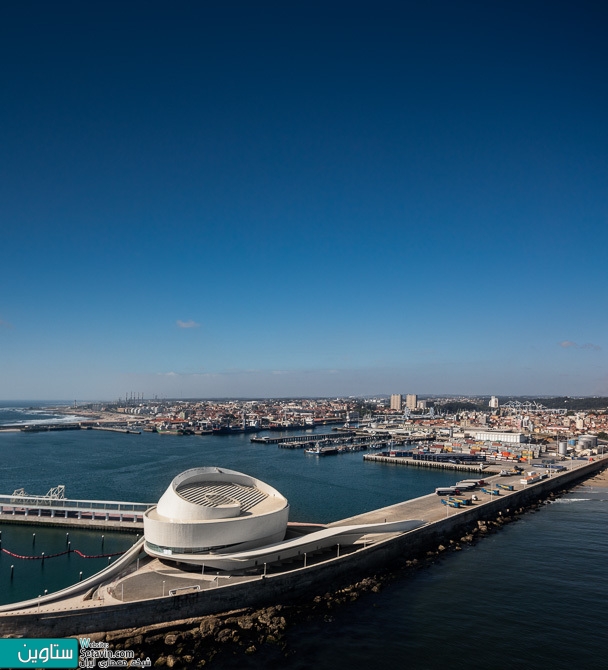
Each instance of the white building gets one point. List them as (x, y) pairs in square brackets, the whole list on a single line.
[(410, 400), (206, 509), (498, 436), (222, 519), (396, 401), (493, 402)]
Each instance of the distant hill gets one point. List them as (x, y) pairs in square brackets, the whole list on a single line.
[(574, 404)]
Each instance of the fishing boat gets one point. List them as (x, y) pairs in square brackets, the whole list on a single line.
[(317, 450)]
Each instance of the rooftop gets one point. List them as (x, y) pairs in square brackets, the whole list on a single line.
[(214, 494)]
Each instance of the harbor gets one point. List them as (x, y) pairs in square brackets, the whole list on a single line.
[(148, 593), (331, 443), (113, 466), (299, 441)]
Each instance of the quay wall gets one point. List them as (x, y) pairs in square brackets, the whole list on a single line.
[(441, 465), (75, 524), (285, 587)]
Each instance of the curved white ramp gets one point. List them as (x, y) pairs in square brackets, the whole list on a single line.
[(344, 535)]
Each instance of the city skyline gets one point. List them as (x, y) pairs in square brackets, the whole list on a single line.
[(321, 199)]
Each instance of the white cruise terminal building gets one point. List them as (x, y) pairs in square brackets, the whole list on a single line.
[(208, 509), (227, 520)]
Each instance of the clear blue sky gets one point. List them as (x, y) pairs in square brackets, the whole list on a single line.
[(303, 198)]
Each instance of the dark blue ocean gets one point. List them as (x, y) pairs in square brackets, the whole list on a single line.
[(533, 595)]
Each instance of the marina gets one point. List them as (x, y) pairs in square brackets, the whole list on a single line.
[(330, 443), (299, 441)]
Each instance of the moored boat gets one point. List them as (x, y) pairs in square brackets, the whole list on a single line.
[(322, 451)]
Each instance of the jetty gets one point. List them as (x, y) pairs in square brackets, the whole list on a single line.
[(344, 440), (473, 466), (47, 427), (53, 509), (299, 439), (115, 429)]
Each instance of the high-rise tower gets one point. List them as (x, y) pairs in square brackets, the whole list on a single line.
[(396, 401)]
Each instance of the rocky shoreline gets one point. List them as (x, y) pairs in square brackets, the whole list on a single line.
[(193, 643)]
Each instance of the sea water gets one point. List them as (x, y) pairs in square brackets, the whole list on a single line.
[(102, 465), (532, 596)]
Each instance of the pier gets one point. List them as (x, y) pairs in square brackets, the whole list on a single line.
[(57, 427), (475, 466), (114, 429), (139, 591), (46, 427), (297, 439), (55, 510), (347, 440), (342, 445)]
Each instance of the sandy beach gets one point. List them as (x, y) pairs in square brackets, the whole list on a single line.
[(85, 414), (599, 479)]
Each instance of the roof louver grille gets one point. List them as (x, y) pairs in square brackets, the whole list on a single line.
[(213, 495)]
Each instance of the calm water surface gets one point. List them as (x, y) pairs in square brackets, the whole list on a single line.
[(114, 466)]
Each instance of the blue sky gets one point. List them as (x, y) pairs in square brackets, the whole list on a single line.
[(206, 199)]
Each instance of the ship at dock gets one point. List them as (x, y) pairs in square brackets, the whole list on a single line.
[(318, 450)]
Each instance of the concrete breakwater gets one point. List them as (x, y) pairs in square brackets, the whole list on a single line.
[(55, 427), (184, 642), (115, 429), (438, 465), (299, 583)]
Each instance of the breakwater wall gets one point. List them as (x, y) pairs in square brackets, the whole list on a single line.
[(115, 429), (297, 584), (80, 524), (438, 465)]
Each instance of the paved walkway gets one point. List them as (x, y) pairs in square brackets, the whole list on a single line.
[(429, 508)]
